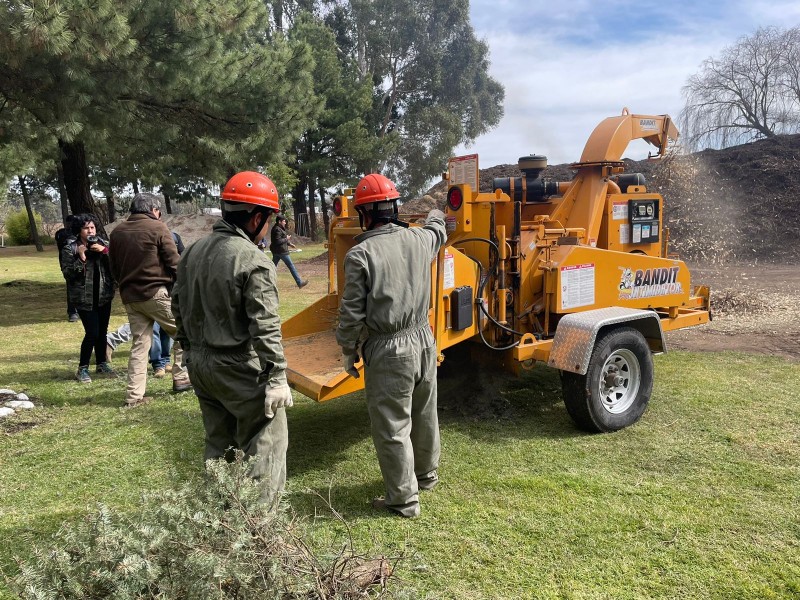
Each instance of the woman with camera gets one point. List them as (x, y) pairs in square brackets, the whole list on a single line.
[(91, 289)]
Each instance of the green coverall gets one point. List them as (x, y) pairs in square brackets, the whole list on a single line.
[(225, 303), (386, 298)]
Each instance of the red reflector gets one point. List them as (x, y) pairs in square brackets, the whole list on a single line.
[(454, 198), (337, 206)]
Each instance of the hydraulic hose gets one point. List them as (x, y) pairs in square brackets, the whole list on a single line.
[(483, 280)]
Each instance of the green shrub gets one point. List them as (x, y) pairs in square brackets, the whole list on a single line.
[(213, 539), (18, 227)]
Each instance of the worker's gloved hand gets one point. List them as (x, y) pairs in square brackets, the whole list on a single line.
[(436, 213), (277, 397), (349, 361)]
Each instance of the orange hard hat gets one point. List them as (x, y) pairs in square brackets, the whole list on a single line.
[(375, 188), (249, 187)]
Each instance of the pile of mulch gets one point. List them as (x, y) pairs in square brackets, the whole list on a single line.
[(738, 302)]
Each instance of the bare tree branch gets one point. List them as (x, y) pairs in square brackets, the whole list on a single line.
[(751, 91)]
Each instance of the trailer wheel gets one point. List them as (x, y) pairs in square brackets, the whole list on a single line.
[(616, 388)]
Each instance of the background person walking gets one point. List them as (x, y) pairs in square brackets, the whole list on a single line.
[(280, 242)]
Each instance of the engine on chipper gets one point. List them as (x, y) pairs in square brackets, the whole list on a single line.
[(576, 275)]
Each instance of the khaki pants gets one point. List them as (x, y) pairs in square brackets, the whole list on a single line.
[(141, 316)]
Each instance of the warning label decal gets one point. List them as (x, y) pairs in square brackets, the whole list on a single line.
[(449, 271), (577, 286)]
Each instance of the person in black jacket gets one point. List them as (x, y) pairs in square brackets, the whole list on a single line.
[(62, 235), (279, 246), (85, 265)]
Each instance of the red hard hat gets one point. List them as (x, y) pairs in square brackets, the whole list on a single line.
[(250, 187), (375, 188)]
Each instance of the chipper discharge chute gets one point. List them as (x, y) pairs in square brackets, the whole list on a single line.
[(575, 274)]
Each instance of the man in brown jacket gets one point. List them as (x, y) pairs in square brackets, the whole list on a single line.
[(144, 261)]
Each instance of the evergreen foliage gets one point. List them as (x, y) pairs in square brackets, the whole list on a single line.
[(432, 90), (180, 94), (152, 88), (211, 540), (19, 229)]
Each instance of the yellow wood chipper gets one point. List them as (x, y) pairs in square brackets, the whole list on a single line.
[(576, 275)]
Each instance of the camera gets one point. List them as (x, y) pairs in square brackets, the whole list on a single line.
[(94, 239)]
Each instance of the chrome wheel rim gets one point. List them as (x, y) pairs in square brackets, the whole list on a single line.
[(619, 381)]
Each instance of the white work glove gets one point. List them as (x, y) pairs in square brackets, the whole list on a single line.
[(349, 361), (277, 397), (436, 213)]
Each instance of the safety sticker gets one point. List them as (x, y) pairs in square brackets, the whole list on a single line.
[(577, 286), (620, 211), (637, 234), (450, 223), (464, 169), (624, 233), (645, 231), (449, 270), (645, 283)]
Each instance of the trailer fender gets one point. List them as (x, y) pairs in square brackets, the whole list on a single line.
[(576, 333)]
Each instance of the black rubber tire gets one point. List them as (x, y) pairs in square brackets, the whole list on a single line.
[(582, 395)]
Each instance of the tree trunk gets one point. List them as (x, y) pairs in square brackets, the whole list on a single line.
[(112, 209), (62, 192), (135, 186), (26, 197), (312, 212), (323, 206), (76, 177), (167, 202), (299, 203), (277, 14)]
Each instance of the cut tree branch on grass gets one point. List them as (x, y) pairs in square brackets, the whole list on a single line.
[(208, 540)]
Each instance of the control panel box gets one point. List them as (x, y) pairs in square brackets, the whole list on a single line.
[(643, 217), (461, 303)]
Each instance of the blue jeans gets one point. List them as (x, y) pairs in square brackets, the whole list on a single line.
[(160, 348), (287, 260)]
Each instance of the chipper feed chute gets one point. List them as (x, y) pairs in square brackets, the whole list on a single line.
[(314, 358)]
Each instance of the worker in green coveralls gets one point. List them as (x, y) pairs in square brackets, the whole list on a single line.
[(225, 303), (385, 304)]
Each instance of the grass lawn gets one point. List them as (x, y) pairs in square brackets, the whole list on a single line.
[(700, 499)]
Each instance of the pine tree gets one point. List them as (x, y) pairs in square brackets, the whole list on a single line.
[(208, 86)]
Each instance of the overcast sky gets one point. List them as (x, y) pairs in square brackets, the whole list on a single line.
[(566, 65)]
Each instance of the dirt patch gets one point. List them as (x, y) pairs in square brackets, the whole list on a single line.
[(754, 310), (12, 426), (23, 420)]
